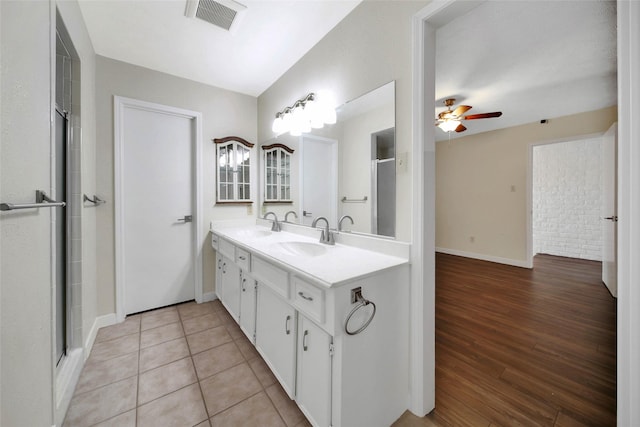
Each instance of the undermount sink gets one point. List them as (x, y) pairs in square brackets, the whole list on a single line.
[(301, 248), (250, 233)]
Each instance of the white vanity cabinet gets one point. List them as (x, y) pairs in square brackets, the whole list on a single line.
[(276, 336), (314, 372), (232, 274), (337, 379)]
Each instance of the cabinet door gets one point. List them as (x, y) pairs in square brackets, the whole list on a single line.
[(219, 275), (313, 389), (276, 336), (230, 285), (248, 306)]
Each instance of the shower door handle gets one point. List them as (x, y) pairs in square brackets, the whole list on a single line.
[(187, 218)]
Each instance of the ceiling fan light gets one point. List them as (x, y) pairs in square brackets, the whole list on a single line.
[(449, 125)]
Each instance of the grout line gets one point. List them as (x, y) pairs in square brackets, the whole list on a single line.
[(204, 402), (138, 375)]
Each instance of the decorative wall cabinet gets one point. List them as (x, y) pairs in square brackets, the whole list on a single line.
[(277, 173), (233, 168)]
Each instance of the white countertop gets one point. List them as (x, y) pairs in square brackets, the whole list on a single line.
[(335, 265)]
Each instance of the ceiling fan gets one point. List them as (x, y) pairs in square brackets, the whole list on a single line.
[(451, 120)]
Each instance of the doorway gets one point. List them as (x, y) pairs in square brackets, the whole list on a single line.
[(383, 182), (566, 197), (158, 206), (61, 236), (318, 179)]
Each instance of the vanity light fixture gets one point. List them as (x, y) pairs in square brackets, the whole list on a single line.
[(312, 111)]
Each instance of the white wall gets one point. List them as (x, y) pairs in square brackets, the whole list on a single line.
[(26, 371), (224, 113), (369, 48), (567, 199)]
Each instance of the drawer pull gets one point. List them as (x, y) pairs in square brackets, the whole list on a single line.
[(304, 296), (224, 264), (286, 325), (243, 258), (243, 283), (304, 340), (219, 261)]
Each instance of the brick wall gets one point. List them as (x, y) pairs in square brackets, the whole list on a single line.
[(567, 199)]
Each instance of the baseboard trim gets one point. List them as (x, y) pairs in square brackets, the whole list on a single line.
[(67, 377), (100, 322), (484, 257), (209, 296)]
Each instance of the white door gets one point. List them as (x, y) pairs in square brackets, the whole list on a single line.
[(609, 209), (319, 179), (156, 208)]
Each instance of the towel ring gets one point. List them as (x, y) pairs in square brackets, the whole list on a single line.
[(362, 302)]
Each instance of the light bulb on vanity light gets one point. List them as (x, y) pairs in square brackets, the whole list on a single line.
[(278, 124)]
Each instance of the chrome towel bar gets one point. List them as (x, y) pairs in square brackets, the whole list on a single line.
[(42, 201), (345, 200)]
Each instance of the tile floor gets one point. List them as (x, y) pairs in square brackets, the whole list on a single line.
[(185, 365)]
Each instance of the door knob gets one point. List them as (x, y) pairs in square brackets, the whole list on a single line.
[(305, 213), (612, 218), (187, 218)]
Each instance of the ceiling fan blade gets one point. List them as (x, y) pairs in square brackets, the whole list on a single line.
[(482, 116), (461, 128), (461, 110)]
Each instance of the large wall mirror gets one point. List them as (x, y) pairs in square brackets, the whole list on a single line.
[(344, 169)]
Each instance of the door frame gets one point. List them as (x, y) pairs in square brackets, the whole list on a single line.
[(120, 105), (422, 391)]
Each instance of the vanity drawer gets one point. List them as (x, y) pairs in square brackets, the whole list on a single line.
[(272, 276), (309, 299), (226, 248), (215, 241), (243, 259)]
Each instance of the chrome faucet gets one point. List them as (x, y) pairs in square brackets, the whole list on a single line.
[(326, 236), (342, 218), (276, 225), (286, 216)]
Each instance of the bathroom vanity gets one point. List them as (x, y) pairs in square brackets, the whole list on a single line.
[(331, 321)]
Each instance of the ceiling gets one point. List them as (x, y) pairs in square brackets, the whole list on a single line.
[(271, 36), (532, 60)]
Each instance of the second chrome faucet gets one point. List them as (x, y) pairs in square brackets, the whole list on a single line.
[(326, 236)]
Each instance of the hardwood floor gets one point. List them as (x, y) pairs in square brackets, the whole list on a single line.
[(523, 347)]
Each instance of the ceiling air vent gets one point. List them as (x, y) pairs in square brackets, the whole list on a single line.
[(224, 14)]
